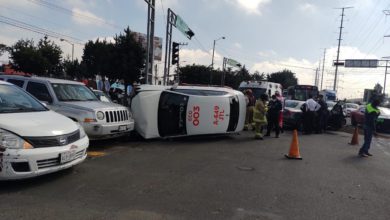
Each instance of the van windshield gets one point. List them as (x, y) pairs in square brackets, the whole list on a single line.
[(15, 100), (73, 92), (172, 111)]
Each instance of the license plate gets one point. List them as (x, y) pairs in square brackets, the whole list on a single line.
[(122, 128), (67, 156)]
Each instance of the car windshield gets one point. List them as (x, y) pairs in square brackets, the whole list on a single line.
[(73, 92), (354, 106), (14, 100), (291, 104), (103, 97), (384, 111), (331, 104)]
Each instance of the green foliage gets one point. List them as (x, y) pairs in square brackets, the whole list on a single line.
[(3, 49), (199, 74), (73, 70), (123, 59), (286, 78), (43, 59)]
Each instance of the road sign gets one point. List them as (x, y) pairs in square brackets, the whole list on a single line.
[(183, 27), (361, 63), (232, 62)]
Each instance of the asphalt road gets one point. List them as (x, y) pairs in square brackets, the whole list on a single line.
[(234, 177)]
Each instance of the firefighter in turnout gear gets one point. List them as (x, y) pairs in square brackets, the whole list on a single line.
[(259, 115), (251, 100)]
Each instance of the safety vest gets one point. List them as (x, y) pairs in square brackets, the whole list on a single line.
[(371, 109), (259, 116)]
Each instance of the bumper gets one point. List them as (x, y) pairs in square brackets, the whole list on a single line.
[(21, 164), (96, 131)]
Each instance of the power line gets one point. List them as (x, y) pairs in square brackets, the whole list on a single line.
[(73, 13), (36, 29), (39, 18)]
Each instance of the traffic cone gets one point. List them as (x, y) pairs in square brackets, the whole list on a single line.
[(294, 148), (355, 137)]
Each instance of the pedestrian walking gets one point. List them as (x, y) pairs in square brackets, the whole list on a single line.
[(274, 108), (309, 117), (370, 116), (259, 115)]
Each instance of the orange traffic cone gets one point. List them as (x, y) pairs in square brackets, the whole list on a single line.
[(355, 137), (294, 148)]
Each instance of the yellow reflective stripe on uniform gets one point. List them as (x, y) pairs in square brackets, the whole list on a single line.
[(371, 109)]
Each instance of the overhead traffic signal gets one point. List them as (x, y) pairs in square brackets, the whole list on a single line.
[(175, 53)]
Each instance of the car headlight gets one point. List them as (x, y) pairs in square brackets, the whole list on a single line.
[(100, 115), (130, 114), (82, 131), (13, 141)]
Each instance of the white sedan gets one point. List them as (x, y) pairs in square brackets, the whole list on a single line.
[(174, 111), (34, 140)]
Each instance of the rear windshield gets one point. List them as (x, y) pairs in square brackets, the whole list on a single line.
[(291, 104)]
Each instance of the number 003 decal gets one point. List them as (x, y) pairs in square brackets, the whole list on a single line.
[(194, 115)]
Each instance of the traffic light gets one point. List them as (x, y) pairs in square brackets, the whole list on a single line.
[(175, 53)]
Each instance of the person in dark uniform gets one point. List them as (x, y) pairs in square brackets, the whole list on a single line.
[(370, 117), (322, 114), (274, 108)]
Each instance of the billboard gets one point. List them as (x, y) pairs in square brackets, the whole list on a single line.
[(362, 63), (157, 44)]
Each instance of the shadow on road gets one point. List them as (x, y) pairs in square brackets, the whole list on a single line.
[(40, 181)]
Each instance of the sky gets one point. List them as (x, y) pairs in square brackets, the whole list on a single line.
[(264, 35)]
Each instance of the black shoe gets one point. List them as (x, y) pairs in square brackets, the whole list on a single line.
[(362, 155), (368, 154), (267, 135)]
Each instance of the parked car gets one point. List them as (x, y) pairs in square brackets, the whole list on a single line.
[(33, 139), (102, 96), (293, 118), (350, 107), (170, 111), (292, 114), (383, 121), (101, 120)]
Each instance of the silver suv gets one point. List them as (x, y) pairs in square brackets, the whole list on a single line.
[(100, 120)]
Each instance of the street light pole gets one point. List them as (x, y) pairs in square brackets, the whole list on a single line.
[(70, 44), (212, 58)]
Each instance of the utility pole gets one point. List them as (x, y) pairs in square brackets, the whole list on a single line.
[(338, 48), (316, 77), (323, 66), (150, 42)]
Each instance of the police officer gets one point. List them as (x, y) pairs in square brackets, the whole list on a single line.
[(274, 108), (370, 117)]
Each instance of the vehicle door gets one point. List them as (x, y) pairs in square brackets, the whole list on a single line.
[(208, 115), (41, 92)]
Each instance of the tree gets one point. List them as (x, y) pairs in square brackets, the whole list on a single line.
[(129, 57), (44, 59), (3, 49), (286, 78), (257, 76), (73, 69), (199, 74), (98, 59), (51, 55)]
